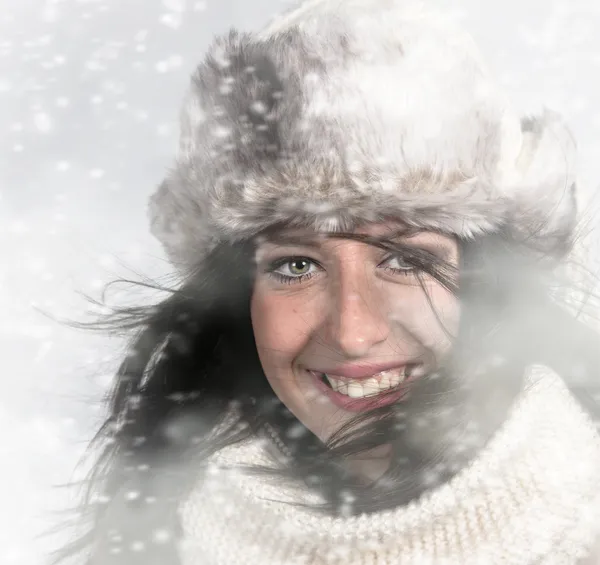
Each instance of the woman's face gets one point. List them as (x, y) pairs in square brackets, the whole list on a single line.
[(351, 311)]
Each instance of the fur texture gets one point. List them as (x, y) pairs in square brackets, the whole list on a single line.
[(348, 111)]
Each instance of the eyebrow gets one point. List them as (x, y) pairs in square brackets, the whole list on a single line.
[(303, 240), (300, 240)]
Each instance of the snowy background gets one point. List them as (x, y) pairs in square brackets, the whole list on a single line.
[(89, 98)]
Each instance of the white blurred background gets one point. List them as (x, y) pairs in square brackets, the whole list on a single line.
[(89, 101)]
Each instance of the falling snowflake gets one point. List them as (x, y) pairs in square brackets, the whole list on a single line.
[(161, 536), (171, 20), (97, 173)]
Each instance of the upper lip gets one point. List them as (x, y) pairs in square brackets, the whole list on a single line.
[(361, 370)]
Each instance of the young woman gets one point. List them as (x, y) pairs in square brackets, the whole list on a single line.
[(370, 357)]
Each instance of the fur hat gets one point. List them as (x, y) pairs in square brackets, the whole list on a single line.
[(346, 111)]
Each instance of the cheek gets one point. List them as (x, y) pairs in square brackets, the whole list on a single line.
[(448, 308), (280, 330), (432, 318), (444, 318)]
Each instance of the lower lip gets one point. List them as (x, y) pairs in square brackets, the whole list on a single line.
[(360, 404)]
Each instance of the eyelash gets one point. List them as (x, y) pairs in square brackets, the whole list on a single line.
[(287, 279)]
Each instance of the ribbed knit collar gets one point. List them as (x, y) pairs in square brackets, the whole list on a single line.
[(531, 496)]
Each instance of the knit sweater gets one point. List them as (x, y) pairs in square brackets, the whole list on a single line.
[(531, 496)]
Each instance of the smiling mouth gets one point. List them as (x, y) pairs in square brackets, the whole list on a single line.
[(378, 383)]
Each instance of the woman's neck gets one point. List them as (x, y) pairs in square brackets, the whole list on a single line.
[(371, 465)]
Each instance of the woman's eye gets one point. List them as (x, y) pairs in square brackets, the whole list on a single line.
[(292, 269), (298, 266), (397, 264)]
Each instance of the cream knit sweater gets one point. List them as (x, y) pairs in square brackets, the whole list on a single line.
[(532, 496)]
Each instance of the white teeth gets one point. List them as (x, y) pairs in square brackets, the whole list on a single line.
[(355, 390), (372, 386)]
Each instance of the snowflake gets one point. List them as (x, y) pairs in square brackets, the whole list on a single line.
[(94, 66), (161, 536), (141, 35), (138, 546), (221, 132), (96, 173), (296, 431), (174, 5), (171, 20), (132, 495), (163, 129)]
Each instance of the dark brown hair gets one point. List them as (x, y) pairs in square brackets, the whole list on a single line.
[(192, 360)]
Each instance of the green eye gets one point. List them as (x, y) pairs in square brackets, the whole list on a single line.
[(299, 266), (298, 269)]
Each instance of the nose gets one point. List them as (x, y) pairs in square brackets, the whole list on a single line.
[(356, 320)]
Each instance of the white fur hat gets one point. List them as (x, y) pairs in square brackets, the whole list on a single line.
[(346, 111)]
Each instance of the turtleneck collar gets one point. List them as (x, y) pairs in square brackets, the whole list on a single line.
[(531, 496)]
